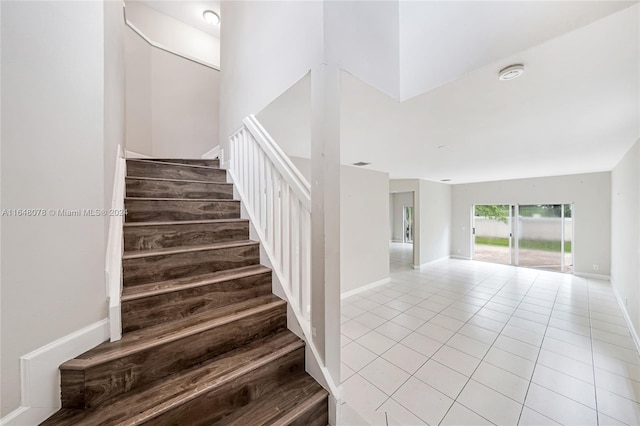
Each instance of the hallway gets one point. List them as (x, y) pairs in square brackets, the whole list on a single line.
[(464, 342)]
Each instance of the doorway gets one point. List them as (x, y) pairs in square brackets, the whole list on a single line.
[(402, 225), (531, 235)]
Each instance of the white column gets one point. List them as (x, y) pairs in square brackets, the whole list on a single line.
[(325, 215)]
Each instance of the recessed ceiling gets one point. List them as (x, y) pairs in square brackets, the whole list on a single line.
[(187, 12)]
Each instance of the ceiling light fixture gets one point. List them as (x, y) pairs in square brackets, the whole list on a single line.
[(211, 17), (511, 72), (361, 163), (445, 180)]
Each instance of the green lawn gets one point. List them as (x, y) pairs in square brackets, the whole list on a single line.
[(525, 244)]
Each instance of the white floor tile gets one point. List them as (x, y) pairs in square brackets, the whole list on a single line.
[(423, 401), (567, 349), (435, 332), (502, 381), (344, 340), (408, 321), (478, 333), (566, 385), (442, 378), (559, 408), (468, 345), (385, 312), (569, 337), (421, 344), (384, 375), (376, 342), (459, 415), (456, 360), (447, 322), (362, 396), (345, 372), (533, 418), (617, 366), (353, 329), (393, 331), (496, 322), (405, 358), (523, 335), (490, 404), (397, 415), (512, 363), (617, 407), (517, 347), (566, 365), (619, 385), (487, 323), (420, 313), (356, 356), (370, 320)]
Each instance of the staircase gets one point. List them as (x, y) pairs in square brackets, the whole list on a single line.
[(205, 342)]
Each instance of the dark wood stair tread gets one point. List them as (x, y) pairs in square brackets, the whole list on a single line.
[(178, 284), (181, 199), (178, 180), (185, 249), (141, 340), (144, 403), (195, 166), (280, 407), (183, 222)]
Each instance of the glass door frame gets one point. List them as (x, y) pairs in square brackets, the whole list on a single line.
[(515, 233)]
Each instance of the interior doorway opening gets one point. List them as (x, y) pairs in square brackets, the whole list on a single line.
[(402, 225), (531, 235)]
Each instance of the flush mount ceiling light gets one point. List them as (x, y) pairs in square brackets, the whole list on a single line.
[(511, 72), (211, 17), (361, 163), (445, 180)]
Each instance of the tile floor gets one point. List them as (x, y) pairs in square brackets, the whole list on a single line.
[(472, 343)]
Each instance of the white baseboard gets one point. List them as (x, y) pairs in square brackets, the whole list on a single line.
[(454, 256), (40, 377), (627, 318), (364, 288), (27, 416), (592, 276), (212, 153), (132, 154), (430, 262)]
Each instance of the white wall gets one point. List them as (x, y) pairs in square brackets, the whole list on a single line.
[(435, 220), (590, 193), (53, 157), (364, 39), (398, 201), (172, 102), (184, 106), (364, 222), (288, 119), (114, 94), (138, 93), (625, 232), (173, 34), (266, 47), (364, 215)]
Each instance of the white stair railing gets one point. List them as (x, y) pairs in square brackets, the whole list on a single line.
[(278, 200)]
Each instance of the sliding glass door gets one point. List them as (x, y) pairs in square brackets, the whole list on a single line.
[(544, 236), (534, 235), (492, 233)]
